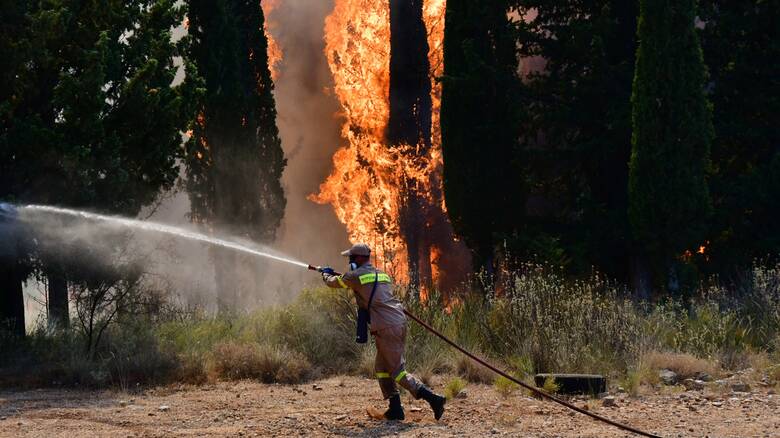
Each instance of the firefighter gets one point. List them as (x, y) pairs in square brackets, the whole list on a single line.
[(379, 308)]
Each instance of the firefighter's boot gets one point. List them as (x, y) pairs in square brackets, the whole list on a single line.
[(396, 411), (435, 400)]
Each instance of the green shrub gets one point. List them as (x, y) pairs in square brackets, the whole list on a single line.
[(454, 387)]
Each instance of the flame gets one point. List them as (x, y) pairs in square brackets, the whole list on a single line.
[(366, 186), (274, 50)]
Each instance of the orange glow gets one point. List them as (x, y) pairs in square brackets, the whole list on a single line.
[(274, 51), (364, 187)]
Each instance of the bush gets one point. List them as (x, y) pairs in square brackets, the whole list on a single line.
[(233, 361)]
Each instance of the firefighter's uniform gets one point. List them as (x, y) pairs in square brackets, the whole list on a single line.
[(388, 325)]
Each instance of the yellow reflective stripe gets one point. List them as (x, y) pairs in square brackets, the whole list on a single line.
[(400, 376), (382, 375), (341, 282), (369, 278)]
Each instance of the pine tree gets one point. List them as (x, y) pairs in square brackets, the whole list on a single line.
[(234, 159), (88, 116), (669, 201), (478, 124)]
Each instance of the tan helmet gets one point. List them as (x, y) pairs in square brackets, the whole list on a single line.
[(358, 249)]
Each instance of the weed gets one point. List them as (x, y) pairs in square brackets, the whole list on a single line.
[(454, 387), (504, 386)]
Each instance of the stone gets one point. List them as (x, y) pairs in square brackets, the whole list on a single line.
[(717, 404), (668, 377), (316, 387), (608, 401), (494, 431), (621, 390), (693, 384), (164, 408), (701, 375), (122, 403), (740, 387), (602, 395)]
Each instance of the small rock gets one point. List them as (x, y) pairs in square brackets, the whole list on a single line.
[(340, 417), (415, 409), (668, 377), (717, 404), (151, 414), (740, 387), (701, 375), (3, 418), (692, 408), (494, 431), (608, 401), (462, 394), (316, 387), (122, 403), (602, 395), (621, 390), (771, 392), (164, 408)]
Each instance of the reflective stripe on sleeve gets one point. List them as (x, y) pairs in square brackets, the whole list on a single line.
[(382, 375), (341, 282), (400, 376), (369, 278)]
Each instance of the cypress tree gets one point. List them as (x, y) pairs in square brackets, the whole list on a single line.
[(409, 124), (669, 201), (234, 158), (741, 47), (478, 124)]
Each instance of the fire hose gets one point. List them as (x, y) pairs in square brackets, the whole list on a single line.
[(501, 373)]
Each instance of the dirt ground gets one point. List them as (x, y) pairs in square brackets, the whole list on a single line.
[(336, 407)]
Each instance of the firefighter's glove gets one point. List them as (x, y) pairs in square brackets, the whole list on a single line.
[(327, 270)]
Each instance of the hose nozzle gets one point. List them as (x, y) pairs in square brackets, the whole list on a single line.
[(315, 268)]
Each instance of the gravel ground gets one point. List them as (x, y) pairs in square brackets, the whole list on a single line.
[(337, 407)]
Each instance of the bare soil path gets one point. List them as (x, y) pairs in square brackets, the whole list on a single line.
[(336, 407)]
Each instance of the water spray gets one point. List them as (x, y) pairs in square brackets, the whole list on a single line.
[(149, 226)]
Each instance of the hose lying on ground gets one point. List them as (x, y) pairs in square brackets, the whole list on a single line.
[(525, 385)]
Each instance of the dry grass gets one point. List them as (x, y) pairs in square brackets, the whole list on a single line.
[(474, 372), (684, 364), (232, 360)]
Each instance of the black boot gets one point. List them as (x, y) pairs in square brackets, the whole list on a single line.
[(396, 411), (435, 400)]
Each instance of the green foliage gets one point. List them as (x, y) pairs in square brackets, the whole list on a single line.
[(234, 158), (479, 124), (577, 63), (90, 117), (504, 386), (455, 386), (672, 132), (740, 44)]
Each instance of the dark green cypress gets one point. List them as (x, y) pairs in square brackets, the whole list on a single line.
[(478, 124), (741, 44), (235, 158), (669, 202)]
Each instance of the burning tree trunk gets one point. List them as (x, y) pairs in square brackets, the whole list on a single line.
[(409, 125), (235, 158)]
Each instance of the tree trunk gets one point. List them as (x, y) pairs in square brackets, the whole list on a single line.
[(641, 277), (59, 316), (409, 123), (11, 298)]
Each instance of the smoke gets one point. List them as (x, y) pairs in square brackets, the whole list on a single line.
[(310, 131), (309, 128)]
